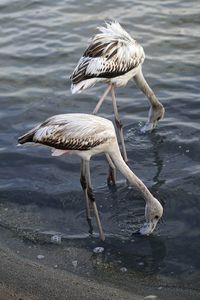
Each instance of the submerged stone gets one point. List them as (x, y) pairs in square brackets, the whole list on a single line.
[(56, 239), (98, 250)]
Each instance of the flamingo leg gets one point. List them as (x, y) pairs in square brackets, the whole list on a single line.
[(112, 171), (87, 200), (92, 199), (97, 107), (119, 125)]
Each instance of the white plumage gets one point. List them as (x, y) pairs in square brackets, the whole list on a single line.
[(86, 135), (74, 126), (113, 56), (73, 133)]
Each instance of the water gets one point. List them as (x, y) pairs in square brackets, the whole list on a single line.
[(41, 42)]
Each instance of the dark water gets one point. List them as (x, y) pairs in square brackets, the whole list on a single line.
[(40, 44)]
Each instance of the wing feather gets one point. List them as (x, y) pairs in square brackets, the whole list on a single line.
[(71, 132), (112, 53)]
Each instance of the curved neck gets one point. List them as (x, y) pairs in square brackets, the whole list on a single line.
[(145, 88), (131, 177)]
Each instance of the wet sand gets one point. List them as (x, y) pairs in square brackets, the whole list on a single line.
[(27, 280), (97, 276), (41, 42)]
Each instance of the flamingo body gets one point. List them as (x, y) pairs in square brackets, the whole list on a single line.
[(113, 56), (86, 135), (81, 134)]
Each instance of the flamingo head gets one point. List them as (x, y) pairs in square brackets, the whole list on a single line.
[(153, 213)]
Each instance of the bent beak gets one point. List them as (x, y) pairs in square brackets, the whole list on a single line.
[(149, 126), (148, 227)]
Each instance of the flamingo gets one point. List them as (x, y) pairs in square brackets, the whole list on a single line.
[(86, 135), (114, 57)]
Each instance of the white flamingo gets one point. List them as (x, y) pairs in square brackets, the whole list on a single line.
[(86, 135), (115, 58)]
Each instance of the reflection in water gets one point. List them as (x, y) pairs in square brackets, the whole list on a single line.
[(40, 44), (139, 254), (157, 140)]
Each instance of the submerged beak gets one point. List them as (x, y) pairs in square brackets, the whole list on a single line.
[(154, 115), (148, 227), (149, 126)]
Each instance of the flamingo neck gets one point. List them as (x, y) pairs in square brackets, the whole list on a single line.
[(131, 177), (145, 88)]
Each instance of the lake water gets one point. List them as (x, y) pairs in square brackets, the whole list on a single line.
[(40, 44)]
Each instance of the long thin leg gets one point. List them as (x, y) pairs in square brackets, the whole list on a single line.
[(87, 200), (119, 125), (112, 171), (92, 199), (102, 99)]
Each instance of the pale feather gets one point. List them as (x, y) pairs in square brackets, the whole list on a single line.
[(112, 53)]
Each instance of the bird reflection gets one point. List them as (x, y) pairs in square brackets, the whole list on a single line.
[(157, 140)]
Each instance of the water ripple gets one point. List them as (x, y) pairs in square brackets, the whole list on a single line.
[(41, 42)]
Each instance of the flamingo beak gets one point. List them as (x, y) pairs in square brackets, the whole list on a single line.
[(148, 227), (149, 126), (151, 123)]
